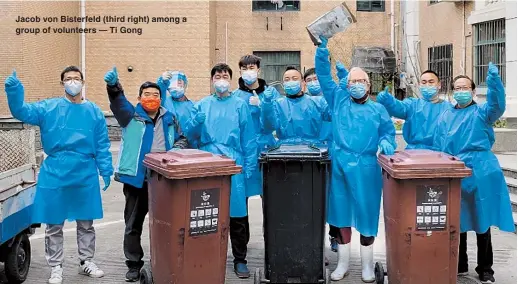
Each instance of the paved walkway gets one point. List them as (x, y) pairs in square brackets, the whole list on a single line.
[(110, 257)]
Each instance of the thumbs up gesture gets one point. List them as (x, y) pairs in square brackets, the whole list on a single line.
[(12, 80), (112, 77)]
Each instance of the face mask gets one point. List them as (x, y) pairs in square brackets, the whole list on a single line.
[(177, 92), (428, 92), (463, 98), (357, 90), (73, 88), (292, 88), (314, 88), (150, 103), (249, 76), (343, 84), (221, 86)]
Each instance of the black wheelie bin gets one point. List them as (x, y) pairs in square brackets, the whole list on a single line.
[(294, 210)]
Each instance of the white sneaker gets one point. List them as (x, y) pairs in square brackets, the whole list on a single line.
[(56, 275), (90, 269), (342, 267)]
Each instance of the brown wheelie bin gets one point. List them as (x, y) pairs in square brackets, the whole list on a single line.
[(189, 200), (421, 202)]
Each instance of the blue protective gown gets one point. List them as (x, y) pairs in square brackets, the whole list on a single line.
[(358, 129), (228, 130), (181, 109), (295, 120), (326, 133), (75, 138), (265, 139), (468, 134), (420, 119)]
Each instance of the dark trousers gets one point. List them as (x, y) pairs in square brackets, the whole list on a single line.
[(135, 212), (239, 238), (484, 253)]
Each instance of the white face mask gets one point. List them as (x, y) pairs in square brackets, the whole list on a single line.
[(73, 87), (221, 86)]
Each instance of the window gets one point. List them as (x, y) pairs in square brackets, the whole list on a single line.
[(370, 5), (440, 60), (274, 63), (276, 5), (431, 2), (488, 46)]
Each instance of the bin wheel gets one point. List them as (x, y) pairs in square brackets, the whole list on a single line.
[(18, 259), (379, 273), (327, 276), (145, 275), (258, 276)]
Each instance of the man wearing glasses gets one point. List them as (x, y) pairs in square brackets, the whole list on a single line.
[(75, 138)]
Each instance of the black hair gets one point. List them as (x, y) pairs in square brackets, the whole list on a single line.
[(71, 69), (309, 72), (147, 85), (221, 68), (473, 86), (292, 68), (431, 72), (250, 59)]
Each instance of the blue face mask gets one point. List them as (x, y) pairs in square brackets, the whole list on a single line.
[(463, 98), (177, 93), (292, 88), (428, 92), (314, 88), (358, 90)]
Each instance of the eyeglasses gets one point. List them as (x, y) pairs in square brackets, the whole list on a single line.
[(462, 89), (76, 80), (362, 81)]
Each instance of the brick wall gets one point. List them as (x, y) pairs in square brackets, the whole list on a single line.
[(38, 59)]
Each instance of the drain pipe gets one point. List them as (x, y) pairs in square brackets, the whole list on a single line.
[(226, 42), (392, 24), (463, 67), (83, 45)]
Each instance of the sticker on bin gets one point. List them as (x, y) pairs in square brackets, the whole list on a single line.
[(431, 207), (204, 207)]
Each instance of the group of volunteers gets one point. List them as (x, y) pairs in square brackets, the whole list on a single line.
[(240, 124)]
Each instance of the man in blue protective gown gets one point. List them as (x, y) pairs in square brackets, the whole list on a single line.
[(222, 124), (466, 131), (296, 118), (360, 128), (251, 90), (147, 127), (75, 138), (420, 115), (175, 84)]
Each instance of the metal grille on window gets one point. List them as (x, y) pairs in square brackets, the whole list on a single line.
[(275, 5), (370, 5), (440, 60), (274, 63), (488, 46)]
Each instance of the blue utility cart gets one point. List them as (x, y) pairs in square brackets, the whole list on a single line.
[(17, 190)]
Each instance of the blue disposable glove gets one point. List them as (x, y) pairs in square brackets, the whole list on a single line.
[(12, 80), (492, 75), (200, 117), (324, 40), (112, 77), (341, 71), (387, 148), (384, 96), (107, 181), (268, 95)]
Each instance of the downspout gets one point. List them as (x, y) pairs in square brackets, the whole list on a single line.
[(83, 45), (392, 24), (463, 67), (226, 42)]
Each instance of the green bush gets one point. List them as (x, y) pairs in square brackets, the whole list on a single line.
[(501, 123)]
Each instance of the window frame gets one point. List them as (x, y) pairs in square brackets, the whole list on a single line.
[(435, 64), (255, 9), (383, 9), (493, 46)]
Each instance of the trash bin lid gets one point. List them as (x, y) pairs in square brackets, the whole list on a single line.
[(190, 163), (413, 164), (300, 152)]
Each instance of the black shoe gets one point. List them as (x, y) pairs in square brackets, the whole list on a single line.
[(241, 270), (486, 277), (133, 275)]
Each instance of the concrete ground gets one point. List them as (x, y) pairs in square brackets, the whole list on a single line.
[(110, 257)]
